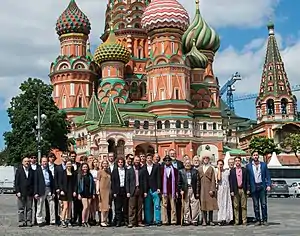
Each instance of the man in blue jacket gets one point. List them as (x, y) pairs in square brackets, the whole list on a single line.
[(260, 183)]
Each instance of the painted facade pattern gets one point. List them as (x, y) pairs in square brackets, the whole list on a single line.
[(140, 92)]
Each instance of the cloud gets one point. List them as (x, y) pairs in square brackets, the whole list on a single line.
[(29, 43), (249, 63)]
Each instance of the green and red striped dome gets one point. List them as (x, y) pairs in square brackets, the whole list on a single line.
[(73, 20)]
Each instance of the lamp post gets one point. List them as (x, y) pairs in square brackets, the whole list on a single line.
[(227, 126), (39, 119)]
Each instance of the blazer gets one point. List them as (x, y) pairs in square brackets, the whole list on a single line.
[(152, 181), (24, 184), (80, 187), (115, 181), (195, 182), (130, 183), (39, 182), (179, 164), (233, 181), (265, 176)]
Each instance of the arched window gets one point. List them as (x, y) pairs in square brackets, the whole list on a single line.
[(186, 124), (146, 124), (270, 107), (137, 124), (214, 126), (204, 126), (284, 103), (108, 71), (80, 102), (167, 124), (178, 124), (159, 124)]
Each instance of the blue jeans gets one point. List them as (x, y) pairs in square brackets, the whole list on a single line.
[(259, 197), (155, 212)]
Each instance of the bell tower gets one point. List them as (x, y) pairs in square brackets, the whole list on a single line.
[(275, 101)]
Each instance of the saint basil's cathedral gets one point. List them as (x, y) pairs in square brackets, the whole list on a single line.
[(150, 86)]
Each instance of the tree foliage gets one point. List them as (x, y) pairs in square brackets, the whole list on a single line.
[(3, 157), (263, 145), (21, 140), (292, 143)]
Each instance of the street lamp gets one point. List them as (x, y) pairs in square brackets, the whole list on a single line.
[(39, 120), (155, 133), (227, 126)]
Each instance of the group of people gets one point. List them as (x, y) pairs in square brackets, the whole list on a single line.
[(138, 191)]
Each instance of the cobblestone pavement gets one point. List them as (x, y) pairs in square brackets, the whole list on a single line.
[(284, 215)]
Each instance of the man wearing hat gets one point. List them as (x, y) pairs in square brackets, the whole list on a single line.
[(169, 181), (208, 194)]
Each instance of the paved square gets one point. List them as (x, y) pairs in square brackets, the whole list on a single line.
[(284, 220)]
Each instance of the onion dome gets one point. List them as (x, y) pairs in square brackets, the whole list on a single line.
[(112, 50), (196, 58), (73, 20), (206, 37), (165, 14)]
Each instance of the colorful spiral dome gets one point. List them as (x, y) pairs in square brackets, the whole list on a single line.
[(111, 50), (73, 20), (165, 14), (206, 37), (196, 58)]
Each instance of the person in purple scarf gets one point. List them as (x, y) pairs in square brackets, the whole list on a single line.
[(169, 176)]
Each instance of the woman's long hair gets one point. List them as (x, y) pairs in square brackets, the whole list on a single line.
[(80, 172)]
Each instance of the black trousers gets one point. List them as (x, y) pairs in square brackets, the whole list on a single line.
[(121, 206), (178, 210), (77, 212)]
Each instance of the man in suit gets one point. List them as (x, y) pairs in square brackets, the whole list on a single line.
[(44, 189), (178, 165), (118, 179), (169, 180), (54, 170), (152, 177), (260, 183), (239, 189), (77, 204), (189, 188), (24, 182), (33, 166), (136, 193), (111, 166)]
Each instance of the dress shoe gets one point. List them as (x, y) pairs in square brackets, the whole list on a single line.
[(141, 225), (258, 223), (265, 223), (130, 225), (22, 224)]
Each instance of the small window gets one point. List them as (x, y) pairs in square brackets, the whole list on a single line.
[(214, 126), (159, 124), (137, 124), (186, 124), (167, 124), (80, 102), (178, 124), (176, 93), (146, 124), (204, 126), (126, 123)]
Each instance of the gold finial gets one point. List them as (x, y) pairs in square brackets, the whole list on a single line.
[(197, 4), (194, 42)]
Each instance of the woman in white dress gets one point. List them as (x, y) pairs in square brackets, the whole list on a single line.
[(225, 213), (94, 169)]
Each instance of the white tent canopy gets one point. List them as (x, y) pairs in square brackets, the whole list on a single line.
[(274, 162), (227, 157)]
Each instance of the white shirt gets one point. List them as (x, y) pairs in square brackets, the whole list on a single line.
[(51, 168), (74, 166), (26, 171), (189, 177), (205, 167), (94, 174), (122, 176), (257, 173), (168, 170), (33, 166), (149, 169), (111, 166)]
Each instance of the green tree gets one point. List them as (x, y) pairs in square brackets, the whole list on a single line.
[(3, 157), (292, 143), (263, 146), (21, 140)]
